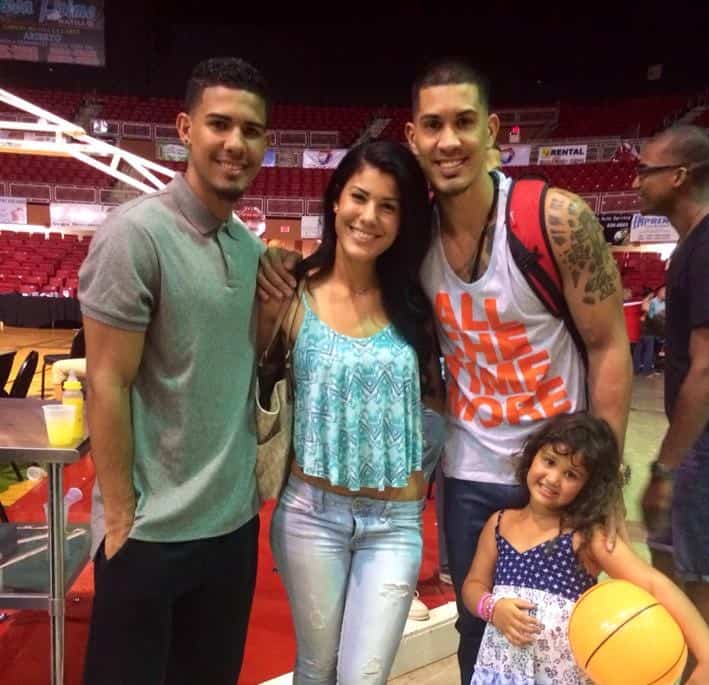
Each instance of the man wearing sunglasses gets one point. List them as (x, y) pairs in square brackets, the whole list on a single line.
[(672, 180)]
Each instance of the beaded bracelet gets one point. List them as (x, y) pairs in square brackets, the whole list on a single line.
[(486, 606), (481, 604), (492, 611)]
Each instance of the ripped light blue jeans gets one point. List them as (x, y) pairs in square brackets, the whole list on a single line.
[(350, 566)]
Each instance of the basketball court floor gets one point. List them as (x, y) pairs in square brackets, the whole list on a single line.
[(646, 427)]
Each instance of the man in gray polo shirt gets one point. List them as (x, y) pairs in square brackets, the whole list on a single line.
[(167, 294)]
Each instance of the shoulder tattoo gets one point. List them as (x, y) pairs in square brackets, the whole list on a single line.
[(581, 247)]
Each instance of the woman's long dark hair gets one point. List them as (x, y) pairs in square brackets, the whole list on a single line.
[(593, 441), (405, 303)]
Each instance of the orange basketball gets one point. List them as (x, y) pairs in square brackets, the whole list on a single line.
[(620, 635)]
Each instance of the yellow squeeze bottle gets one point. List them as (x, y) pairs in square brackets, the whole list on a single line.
[(72, 395)]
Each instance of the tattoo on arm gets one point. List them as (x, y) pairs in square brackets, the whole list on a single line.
[(556, 204), (583, 248)]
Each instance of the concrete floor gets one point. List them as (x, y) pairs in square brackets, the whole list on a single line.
[(443, 672)]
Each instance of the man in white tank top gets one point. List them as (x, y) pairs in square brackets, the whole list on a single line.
[(510, 364)]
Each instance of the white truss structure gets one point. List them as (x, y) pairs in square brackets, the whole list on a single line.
[(71, 140)]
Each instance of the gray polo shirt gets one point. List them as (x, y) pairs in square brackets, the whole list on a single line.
[(165, 265)]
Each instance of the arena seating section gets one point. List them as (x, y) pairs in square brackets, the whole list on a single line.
[(639, 115), (31, 264), (640, 271), (582, 178), (63, 104), (36, 263), (31, 168)]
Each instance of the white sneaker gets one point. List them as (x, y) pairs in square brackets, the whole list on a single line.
[(418, 610), (445, 578)]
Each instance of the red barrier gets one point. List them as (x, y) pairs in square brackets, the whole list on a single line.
[(633, 314)]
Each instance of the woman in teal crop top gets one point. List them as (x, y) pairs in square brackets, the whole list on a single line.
[(346, 534)]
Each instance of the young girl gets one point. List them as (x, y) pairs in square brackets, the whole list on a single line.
[(532, 564), (346, 534)]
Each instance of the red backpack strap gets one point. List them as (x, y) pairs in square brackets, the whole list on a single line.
[(532, 252), (525, 222)]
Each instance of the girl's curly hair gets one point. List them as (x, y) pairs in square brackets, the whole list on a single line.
[(592, 442)]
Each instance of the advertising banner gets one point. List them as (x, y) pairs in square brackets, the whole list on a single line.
[(77, 214), (616, 226), (322, 159), (652, 229), (515, 155), (171, 152), (269, 159), (311, 227), (62, 31), (253, 217), (13, 210), (562, 154)]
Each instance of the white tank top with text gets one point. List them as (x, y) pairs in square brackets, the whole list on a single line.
[(510, 364)]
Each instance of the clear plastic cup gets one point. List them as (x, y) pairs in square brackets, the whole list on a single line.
[(72, 496), (59, 419), (36, 473)]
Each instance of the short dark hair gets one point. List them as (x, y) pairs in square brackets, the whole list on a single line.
[(449, 71), (231, 72), (592, 439), (690, 145)]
